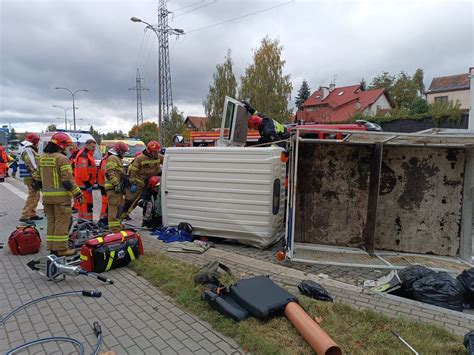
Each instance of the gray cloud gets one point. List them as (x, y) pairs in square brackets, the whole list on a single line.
[(93, 45)]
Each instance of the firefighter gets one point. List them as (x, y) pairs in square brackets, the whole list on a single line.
[(114, 175), (103, 220), (29, 172), (58, 188), (74, 149), (150, 201), (269, 129), (143, 167), (85, 174)]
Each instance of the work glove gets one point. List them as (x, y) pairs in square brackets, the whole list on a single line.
[(36, 185), (249, 108), (133, 188), (118, 188), (80, 198)]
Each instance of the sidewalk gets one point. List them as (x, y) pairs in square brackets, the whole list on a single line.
[(135, 317)]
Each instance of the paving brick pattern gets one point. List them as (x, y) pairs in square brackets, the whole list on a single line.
[(135, 317)]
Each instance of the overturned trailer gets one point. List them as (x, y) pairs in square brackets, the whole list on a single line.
[(382, 193)]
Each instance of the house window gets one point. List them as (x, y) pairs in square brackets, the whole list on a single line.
[(442, 99)]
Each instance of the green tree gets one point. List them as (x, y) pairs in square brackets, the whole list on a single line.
[(174, 126), (146, 131), (264, 85), (404, 90), (363, 84), (418, 105), (418, 81), (224, 84), (51, 128), (13, 135), (383, 81), (113, 135), (303, 93), (95, 134)]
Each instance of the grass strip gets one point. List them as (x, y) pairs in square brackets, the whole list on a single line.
[(355, 331)]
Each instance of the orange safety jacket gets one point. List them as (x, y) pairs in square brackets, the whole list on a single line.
[(101, 172), (84, 168)]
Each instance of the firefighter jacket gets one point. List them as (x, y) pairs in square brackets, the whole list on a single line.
[(101, 172), (113, 172), (85, 171), (144, 167), (29, 162), (272, 131), (56, 177)]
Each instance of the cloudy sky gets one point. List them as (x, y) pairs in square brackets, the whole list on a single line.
[(93, 45)]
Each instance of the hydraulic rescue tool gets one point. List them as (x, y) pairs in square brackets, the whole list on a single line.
[(52, 267)]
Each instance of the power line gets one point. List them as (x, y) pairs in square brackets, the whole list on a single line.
[(239, 17), (197, 8), (185, 7)]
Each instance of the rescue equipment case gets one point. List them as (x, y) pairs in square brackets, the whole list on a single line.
[(111, 251), (24, 240)]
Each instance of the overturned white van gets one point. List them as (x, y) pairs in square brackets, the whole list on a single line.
[(227, 192)]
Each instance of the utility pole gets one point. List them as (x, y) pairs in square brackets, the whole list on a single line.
[(138, 88)]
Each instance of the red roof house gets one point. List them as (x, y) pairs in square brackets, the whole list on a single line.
[(339, 104), (195, 123)]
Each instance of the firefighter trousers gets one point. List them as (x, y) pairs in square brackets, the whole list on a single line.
[(87, 207), (29, 210), (59, 218), (115, 200)]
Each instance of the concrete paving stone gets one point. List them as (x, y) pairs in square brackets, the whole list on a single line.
[(206, 344), (169, 325), (225, 347), (158, 342), (147, 333), (132, 332), (138, 324), (164, 334), (135, 350), (126, 341), (168, 351), (116, 331), (202, 352), (14, 336), (50, 347), (141, 341), (179, 335), (193, 334), (191, 344)]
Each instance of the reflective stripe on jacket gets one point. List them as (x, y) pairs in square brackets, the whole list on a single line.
[(144, 167), (84, 167), (113, 172), (56, 175)]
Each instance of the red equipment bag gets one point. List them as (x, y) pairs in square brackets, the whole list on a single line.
[(24, 240), (111, 251)]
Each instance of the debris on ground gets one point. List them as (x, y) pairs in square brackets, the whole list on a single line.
[(314, 290)]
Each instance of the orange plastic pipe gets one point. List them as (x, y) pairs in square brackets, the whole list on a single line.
[(317, 338)]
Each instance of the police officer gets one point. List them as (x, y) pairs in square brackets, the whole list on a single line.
[(29, 172), (114, 175), (58, 188), (143, 167)]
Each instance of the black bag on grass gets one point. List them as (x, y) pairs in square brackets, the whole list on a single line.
[(411, 274), (469, 342), (439, 289), (466, 278), (314, 290), (209, 273)]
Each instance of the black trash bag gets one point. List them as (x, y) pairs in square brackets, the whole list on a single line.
[(469, 342), (439, 289), (466, 278), (314, 290), (411, 274)]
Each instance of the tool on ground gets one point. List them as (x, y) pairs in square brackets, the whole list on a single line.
[(404, 342), (81, 231), (53, 267), (24, 240), (111, 251), (96, 326)]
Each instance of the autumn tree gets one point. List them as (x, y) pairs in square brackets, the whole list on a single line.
[(303, 93), (224, 84), (146, 131), (264, 85)]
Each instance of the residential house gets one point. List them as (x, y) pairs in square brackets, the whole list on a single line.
[(450, 88), (195, 123), (339, 104)]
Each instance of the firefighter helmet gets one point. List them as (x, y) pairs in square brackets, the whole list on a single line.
[(62, 140), (33, 138), (254, 122), (120, 148), (153, 146), (154, 181)]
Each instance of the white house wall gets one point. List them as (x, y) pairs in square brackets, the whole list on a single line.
[(380, 103), (461, 95)]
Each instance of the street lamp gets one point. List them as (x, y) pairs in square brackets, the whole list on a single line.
[(73, 102), (65, 113), (155, 29)]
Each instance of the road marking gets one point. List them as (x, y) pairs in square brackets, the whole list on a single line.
[(19, 193)]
